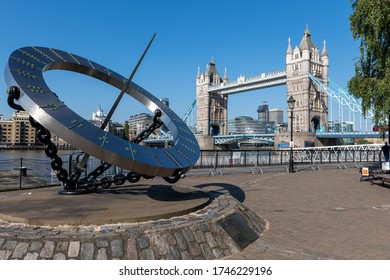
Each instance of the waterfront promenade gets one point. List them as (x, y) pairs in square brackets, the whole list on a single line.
[(327, 214)]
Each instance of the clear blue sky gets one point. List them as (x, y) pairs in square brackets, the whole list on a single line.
[(246, 37)]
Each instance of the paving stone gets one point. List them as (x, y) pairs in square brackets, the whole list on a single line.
[(181, 241), (131, 249), (4, 254), (47, 250), (159, 244), (10, 245), (220, 240), (207, 253), (147, 254), (188, 235), (62, 246), (59, 256), (233, 247), (194, 249), (174, 253), (74, 248), (210, 239), (20, 250), (102, 243), (87, 250), (102, 254), (169, 238), (31, 256), (143, 242), (35, 246), (218, 253), (117, 248), (199, 236), (204, 227), (215, 228), (185, 255)]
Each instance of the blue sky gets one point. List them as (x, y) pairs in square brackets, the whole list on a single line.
[(246, 37)]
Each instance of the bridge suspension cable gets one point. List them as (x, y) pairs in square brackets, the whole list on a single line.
[(343, 98), (189, 111)]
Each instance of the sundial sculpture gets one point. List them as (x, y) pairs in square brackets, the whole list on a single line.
[(26, 85)]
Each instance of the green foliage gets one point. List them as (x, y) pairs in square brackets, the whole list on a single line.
[(370, 22), (126, 131), (364, 141)]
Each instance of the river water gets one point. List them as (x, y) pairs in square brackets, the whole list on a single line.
[(36, 161)]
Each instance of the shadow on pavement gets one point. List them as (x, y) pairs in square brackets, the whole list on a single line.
[(222, 188), (176, 193)]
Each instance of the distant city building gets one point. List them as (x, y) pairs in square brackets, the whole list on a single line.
[(270, 119), (276, 115), (139, 118), (263, 112), (99, 115), (117, 129), (337, 126), (19, 131), (98, 118), (138, 122), (245, 125)]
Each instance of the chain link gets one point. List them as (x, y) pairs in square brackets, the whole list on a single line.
[(91, 181)]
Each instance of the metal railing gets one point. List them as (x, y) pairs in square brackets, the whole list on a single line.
[(24, 173), (222, 159)]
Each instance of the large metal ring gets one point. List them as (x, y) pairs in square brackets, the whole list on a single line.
[(25, 70)]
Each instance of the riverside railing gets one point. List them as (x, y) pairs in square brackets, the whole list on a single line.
[(248, 158), (18, 173)]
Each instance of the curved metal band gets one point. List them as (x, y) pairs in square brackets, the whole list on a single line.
[(25, 70)]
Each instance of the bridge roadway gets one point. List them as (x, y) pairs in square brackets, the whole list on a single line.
[(264, 80), (269, 137)]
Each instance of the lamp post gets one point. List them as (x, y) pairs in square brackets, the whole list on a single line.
[(291, 105)]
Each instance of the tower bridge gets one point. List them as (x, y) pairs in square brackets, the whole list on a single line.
[(311, 110), (306, 80)]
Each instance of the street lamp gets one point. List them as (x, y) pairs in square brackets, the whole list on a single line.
[(291, 105)]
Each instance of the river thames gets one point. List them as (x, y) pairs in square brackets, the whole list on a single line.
[(36, 161)]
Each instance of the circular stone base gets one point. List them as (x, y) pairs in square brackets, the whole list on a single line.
[(203, 234), (128, 203), (140, 222)]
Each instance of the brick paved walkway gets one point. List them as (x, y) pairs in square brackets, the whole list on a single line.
[(324, 214)]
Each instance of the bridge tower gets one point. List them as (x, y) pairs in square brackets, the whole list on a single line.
[(211, 113), (311, 106)]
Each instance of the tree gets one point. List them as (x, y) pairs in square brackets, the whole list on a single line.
[(370, 22), (126, 131)]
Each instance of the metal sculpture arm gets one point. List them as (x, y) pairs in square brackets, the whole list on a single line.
[(85, 158), (24, 75)]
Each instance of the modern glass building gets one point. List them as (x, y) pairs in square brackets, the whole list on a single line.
[(248, 125), (337, 126)]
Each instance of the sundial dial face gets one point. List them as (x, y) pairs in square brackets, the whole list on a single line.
[(25, 70)]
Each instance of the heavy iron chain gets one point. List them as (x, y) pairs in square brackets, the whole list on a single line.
[(90, 182)]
